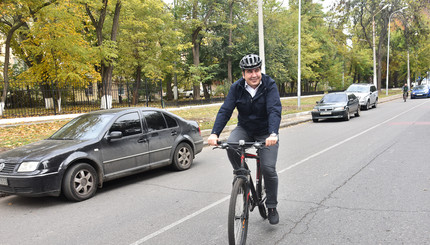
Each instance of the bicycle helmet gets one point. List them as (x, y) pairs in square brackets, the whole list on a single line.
[(250, 61)]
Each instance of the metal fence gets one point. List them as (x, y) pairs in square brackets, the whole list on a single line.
[(24, 100)]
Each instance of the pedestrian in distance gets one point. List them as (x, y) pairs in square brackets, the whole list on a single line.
[(257, 100)]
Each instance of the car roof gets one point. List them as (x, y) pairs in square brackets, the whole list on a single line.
[(337, 93), (124, 109), (363, 84)]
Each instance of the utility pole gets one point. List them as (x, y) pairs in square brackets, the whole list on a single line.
[(261, 36)]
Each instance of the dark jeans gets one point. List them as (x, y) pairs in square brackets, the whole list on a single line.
[(268, 157)]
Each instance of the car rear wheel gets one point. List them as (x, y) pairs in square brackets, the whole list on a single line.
[(80, 182), (357, 113), (376, 103), (183, 157)]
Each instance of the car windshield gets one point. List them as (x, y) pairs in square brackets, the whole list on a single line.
[(84, 127), (358, 88), (333, 98), (419, 87)]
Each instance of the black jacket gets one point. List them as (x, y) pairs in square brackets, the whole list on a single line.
[(260, 115)]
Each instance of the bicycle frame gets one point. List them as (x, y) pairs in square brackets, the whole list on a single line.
[(255, 199), (244, 172)]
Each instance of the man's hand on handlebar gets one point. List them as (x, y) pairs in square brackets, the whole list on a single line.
[(271, 140), (213, 140)]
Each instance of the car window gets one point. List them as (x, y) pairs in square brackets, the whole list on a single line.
[(372, 89), (330, 98), (171, 122), (128, 124), (419, 87), (358, 88), (351, 96), (154, 120), (88, 126)]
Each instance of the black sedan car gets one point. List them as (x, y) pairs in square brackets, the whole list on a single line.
[(336, 105), (97, 147)]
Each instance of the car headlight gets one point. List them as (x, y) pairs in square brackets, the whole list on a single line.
[(340, 108), (28, 166), (315, 109)]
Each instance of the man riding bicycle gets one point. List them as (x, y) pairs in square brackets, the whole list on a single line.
[(405, 90), (257, 100)]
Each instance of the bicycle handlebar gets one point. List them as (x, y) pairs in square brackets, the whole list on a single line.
[(241, 144)]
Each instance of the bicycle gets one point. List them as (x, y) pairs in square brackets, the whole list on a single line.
[(244, 195), (405, 95)]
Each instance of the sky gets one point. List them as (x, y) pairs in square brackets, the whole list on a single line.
[(326, 3)]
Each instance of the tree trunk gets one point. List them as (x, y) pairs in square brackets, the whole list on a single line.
[(196, 60), (106, 66), (169, 92), (196, 42), (6, 64), (229, 51), (137, 85)]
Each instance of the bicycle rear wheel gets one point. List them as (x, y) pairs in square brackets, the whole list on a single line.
[(238, 213), (261, 196)]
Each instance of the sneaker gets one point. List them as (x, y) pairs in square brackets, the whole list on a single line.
[(273, 216)]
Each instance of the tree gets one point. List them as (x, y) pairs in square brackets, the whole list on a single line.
[(15, 15), (148, 43), (362, 12), (97, 12), (196, 16), (59, 56)]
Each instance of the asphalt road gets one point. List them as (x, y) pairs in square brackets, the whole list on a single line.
[(365, 181)]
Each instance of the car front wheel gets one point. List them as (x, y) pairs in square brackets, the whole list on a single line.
[(80, 182), (357, 113), (346, 117), (183, 157), (368, 105)]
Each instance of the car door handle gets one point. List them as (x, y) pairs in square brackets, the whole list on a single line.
[(154, 134), (173, 133), (142, 140)]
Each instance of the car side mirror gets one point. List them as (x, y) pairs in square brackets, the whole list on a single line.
[(114, 135)]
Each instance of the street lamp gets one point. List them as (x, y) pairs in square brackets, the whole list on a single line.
[(388, 47), (374, 49)]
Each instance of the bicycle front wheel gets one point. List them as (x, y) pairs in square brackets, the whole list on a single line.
[(238, 213)]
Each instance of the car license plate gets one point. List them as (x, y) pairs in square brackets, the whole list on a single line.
[(419, 94), (3, 181), (325, 113)]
